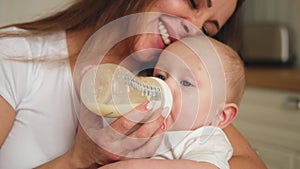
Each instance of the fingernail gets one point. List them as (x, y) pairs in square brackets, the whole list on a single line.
[(149, 106), (164, 124)]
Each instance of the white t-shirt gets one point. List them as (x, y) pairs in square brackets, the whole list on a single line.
[(206, 144), (41, 92)]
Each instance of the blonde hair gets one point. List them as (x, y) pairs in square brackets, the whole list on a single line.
[(234, 70), (231, 62)]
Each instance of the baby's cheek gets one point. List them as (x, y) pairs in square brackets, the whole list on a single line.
[(176, 109), (175, 113)]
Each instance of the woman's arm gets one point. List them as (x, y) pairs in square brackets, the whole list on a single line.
[(7, 118), (243, 154), (113, 144), (85, 153), (158, 164)]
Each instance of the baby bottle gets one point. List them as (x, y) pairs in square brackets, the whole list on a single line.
[(110, 90)]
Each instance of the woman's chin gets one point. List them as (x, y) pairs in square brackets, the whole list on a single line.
[(147, 55)]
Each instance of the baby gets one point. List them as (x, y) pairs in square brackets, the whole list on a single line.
[(194, 128)]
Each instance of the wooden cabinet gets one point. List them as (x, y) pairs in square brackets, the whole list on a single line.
[(270, 120)]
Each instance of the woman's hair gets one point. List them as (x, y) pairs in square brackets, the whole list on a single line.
[(231, 32), (85, 14), (96, 13)]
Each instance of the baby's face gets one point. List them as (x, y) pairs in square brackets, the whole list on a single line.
[(189, 82)]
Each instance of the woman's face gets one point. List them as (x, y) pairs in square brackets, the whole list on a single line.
[(181, 18)]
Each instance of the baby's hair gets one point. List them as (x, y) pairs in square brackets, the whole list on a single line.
[(234, 70)]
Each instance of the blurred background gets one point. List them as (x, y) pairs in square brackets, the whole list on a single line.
[(12, 11), (270, 110), (277, 25)]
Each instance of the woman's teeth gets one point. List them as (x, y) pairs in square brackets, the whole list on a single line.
[(164, 33)]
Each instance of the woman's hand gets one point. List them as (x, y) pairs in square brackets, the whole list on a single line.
[(123, 138), (159, 164)]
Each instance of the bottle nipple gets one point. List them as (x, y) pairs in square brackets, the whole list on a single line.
[(111, 91)]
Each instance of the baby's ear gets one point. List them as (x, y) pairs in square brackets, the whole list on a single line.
[(228, 114)]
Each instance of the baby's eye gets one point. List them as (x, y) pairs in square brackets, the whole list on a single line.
[(185, 83), (162, 77)]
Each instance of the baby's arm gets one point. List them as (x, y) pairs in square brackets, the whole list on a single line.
[(159, 164)]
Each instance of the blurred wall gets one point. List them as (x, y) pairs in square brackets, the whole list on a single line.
[(286, 12), (12, 11)]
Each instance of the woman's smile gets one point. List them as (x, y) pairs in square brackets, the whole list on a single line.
[(164, 33), (166, 29)]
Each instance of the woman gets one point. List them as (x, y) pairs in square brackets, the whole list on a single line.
[(36, 112)]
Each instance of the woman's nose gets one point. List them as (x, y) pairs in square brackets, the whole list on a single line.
[(196, 22), (189, 29)]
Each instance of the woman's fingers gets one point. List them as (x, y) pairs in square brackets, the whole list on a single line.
[(143, 133), (147, 129), (142, 144), (148, 149), (138, 134), (134, 119), (126, 139)]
